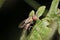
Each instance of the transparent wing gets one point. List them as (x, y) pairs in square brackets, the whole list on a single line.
[(22, 24)]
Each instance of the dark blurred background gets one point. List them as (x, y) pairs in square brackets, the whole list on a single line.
[(12, 13)]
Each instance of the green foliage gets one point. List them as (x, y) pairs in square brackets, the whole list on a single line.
[(40, 30), (44, 28), (53, 9), (1, 3), (31, 13), (53, 13), (40, 11), (58, 25)]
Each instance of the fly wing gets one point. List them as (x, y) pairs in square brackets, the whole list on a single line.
[(25, 22), (22, 24)]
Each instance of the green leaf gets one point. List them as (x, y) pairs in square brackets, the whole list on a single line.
[(1, 3), (34, 35), (59, 25), (40, 11), (31, 13), (40, 31), (52, 14), (53, 9), (44, 30)]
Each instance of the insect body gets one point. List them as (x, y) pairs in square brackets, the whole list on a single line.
[(27, 22)]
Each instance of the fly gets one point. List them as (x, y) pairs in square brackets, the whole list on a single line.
[(26, 24)]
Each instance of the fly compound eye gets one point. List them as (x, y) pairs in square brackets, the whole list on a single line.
[(35, 17)]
